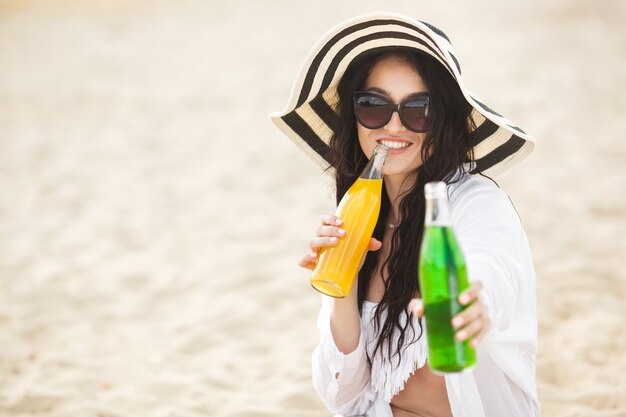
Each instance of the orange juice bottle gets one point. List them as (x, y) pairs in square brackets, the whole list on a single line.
[(338, 266)]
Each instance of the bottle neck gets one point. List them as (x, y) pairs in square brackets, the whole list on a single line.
[(374, 168), (437, 212)]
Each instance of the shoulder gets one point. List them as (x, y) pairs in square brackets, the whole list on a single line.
[(469, 185), (475, 196)]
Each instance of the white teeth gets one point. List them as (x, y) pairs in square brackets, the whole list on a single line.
[(394, 145)]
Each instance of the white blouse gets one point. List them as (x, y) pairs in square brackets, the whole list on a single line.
[(496, 251)]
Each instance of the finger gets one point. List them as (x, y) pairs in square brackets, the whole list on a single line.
[(330, 231), (308, 261), (374, 245), (416, 306), (483, 332), (318, 243), (471, 313), (472, 329), (331, 219), (471, 293)]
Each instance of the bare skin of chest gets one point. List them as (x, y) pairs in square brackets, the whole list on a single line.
[(424, 394)]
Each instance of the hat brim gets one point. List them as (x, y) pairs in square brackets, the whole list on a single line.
[(311, 109)]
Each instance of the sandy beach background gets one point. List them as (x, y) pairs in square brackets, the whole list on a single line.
[(151, 217)]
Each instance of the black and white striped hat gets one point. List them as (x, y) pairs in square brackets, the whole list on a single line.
[(311, 112)]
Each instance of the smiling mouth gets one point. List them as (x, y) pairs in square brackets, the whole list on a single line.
[(394, 144)]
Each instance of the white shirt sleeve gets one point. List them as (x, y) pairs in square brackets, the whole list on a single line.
[(496, 251), (341, 381), (490, 235)]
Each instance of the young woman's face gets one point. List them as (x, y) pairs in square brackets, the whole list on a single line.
[(396, 80)]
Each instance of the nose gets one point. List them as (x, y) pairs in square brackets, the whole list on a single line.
[(394, 124)]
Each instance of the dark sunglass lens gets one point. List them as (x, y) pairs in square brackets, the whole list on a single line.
[(371, 111), (415, 115)]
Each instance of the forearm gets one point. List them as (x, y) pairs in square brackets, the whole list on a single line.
[(341, 379), (345, 322)]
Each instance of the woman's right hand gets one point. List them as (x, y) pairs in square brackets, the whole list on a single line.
[(328, 235)]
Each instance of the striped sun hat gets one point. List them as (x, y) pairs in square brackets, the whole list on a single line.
[(310, 115)]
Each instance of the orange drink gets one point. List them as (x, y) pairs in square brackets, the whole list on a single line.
[(359, 208), (337, 266)]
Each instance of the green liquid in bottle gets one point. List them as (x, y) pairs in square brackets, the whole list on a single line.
[(443, 276)]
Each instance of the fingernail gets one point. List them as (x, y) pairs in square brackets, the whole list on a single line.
[(341, 232), (456, 322), (461, 335), (313, 254), (474, 343), (338, 221), (413, 306), (333, 239), (464, 299)]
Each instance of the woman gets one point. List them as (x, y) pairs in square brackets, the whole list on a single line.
[(371, 359)]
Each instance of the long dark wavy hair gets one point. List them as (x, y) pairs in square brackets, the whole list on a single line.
[(446, 147)]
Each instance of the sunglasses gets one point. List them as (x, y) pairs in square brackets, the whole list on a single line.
[(373, 111)]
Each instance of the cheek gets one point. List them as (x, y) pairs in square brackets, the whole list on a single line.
[(418, 153), (420, 142), (367, 145)]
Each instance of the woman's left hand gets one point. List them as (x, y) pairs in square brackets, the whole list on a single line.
[(473, 322)]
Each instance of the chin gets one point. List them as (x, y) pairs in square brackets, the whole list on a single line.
[(396, 170), (392, 172)]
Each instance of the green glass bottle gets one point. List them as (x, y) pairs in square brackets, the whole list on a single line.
[(442, 276)]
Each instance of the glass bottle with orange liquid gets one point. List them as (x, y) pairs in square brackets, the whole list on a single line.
[(359, 208)]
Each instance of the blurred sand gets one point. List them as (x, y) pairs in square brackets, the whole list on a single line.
[(151, 217)]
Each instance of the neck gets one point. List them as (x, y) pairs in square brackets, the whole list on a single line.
[(397, 186)]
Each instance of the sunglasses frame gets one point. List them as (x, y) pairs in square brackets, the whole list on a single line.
[(397, 107)]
